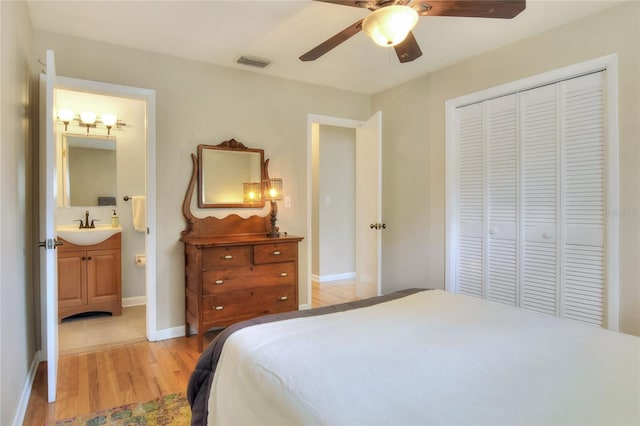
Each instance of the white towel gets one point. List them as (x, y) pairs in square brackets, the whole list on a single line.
[(139, 211)]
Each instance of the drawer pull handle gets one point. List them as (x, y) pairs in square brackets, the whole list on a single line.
[(283, 274), (282, 298), (276, 253), (228, 256), (219, 281), (218, 308)]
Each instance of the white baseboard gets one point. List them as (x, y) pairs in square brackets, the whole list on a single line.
[(127, 302), (333, 277), (21, 410), (167, 333), (304, 306)]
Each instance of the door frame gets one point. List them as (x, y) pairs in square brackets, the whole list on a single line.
[(149, 97), (313, 123)]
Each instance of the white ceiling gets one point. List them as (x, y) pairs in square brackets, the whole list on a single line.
[(219, 32)]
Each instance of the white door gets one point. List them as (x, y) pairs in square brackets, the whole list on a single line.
[(368, 206), (48, 258)]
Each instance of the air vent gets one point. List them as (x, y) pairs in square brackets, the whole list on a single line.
[(253, 61)]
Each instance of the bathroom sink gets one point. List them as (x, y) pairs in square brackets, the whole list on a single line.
[(86, 236)]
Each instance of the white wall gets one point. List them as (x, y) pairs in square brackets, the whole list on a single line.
[(131, 161), (202, 103), (414, 145), (17, 239)]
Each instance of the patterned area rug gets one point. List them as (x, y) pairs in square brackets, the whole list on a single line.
[(168, 410)]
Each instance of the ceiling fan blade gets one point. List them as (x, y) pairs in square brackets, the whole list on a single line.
[(353, 3), (505, 9), (334, 41), (408, 50)]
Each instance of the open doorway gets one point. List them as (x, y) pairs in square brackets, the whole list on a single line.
[(133, 140), (344, 207), (333, 267)]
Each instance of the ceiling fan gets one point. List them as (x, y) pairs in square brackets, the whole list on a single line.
[(391, 21)]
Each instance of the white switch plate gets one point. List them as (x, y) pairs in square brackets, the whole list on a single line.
[(287, 202)]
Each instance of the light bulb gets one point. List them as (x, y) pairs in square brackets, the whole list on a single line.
[(88, 117), (66, 115), (109, 119)]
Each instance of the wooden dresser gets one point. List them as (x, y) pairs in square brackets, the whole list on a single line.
[(233, 270), (234, 278)]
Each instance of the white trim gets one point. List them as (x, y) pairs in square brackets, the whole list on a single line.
[(608, 62), (613, 195), (304, 307), (333, 277), (23, 403), (314, 120), (167, 333), (128, 302)]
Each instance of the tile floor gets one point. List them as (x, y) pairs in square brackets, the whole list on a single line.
[(101, 331)]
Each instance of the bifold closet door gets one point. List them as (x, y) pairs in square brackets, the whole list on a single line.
[(501, 191), (584, 200), (531, 199), (539, 194)]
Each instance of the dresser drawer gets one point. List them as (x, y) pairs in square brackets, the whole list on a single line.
[(221, 257), (239, 278), (278, 252), (255, 302)]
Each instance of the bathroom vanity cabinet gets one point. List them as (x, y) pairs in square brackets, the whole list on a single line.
[(89, 277)]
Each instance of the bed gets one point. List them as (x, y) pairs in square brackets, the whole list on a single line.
[(417, 357)]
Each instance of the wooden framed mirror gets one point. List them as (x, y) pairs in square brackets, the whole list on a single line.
[(230, 175)]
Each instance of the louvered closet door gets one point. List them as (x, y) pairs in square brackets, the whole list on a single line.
[(539, 163), (470, 175), (502, 199), (531, 199), (583, 164)]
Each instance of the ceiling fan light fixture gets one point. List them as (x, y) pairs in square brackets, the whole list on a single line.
[(390, 25)]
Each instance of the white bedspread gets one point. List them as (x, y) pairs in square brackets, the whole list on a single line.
[(433, 358)]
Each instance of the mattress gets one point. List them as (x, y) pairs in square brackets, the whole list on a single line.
[(424, 358)]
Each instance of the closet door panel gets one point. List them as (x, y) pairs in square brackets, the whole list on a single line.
[(469, 263), (584, 200), (539, 162), (502, 199)]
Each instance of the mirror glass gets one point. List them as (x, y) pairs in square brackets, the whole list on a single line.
[(88, 171), (223, 173)]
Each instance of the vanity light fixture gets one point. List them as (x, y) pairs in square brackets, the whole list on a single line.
[(390, 25), (89, 120), (272, 191), (109, 120), (66, 115)]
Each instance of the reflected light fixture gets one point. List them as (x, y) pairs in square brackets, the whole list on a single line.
[(390, 25), (272, 191)]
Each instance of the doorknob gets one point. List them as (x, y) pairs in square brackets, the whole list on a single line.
[(50, 243)]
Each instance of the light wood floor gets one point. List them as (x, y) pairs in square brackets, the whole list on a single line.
[(99, 380)]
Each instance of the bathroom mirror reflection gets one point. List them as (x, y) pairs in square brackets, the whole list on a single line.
[(86, 171)]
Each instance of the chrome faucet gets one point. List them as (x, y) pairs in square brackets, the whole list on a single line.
[(86, 224)]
